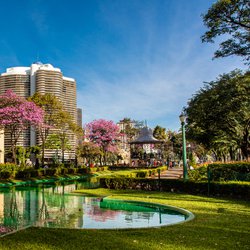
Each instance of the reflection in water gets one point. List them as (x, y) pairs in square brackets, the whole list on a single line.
[(54, 206)]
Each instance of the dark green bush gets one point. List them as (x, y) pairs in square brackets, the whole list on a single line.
[(64, 171), (82, 170), (230, 171), (50, 171), (142, 173), (24, 174), (8, 170), (72, 170), (6, 174), (233, 189), (36, 172), (239, 171), (198, 174)]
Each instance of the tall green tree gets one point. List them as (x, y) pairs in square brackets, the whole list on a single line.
[(160, 133), (219, 114), (66, 130), (131, 128), (230, 18), (52, 108), (89, 151)]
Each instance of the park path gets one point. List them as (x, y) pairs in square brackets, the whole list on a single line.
[(171, 173)]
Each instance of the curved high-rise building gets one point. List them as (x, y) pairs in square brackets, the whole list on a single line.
[(41, 78), (17, 79)]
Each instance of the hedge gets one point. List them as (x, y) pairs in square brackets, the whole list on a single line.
[(12, 171), (143, 173), (238, 171), (233, 189), (230, 171)]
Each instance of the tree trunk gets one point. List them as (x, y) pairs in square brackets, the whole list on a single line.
[(13, 146), (63, 150), (215, 155), (100, 159), (232, 154), (13, 149), (43, 149), (42, 137), (224, 158), (245, 147)]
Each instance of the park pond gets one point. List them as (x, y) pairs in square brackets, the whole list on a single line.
[(54, 205)]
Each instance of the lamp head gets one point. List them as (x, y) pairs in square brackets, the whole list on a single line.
[(182, 117)]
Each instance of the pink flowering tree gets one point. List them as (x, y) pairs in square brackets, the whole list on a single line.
[(105, 134), (17, 115)]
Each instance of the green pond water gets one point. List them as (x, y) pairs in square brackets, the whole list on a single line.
[(55, 206)]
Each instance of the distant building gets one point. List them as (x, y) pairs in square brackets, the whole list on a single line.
[(79, 123), (41, 78)]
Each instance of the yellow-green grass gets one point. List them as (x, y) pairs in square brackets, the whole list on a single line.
[(219, 224)]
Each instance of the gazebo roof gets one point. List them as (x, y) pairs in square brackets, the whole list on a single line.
[(146, 137)]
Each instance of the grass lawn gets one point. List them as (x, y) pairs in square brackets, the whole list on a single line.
[(219, 224)]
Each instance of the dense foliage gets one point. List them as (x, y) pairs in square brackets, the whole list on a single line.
[(219, 116), (236, 189), (17, 115), (231, 18), (10, 171), (160, 133), (105, 134), (131, 128), (58, 124), (89, 151), (222, 172)]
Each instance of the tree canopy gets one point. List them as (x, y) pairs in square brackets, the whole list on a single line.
[(103, 133), (160, 133), (52, 107), (230, 18), (131, 128), (89, 151), (219, 114), (17, 115)]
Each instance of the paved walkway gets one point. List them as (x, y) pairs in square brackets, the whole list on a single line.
[(172, 173)]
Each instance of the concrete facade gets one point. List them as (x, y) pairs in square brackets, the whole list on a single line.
[(41, 78)]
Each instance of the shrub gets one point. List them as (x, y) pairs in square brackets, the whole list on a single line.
[(93, 170), (82, 170), (6, 174), (231, 171), (72, 170), (199, 174), (64, 170), (232, 189), (8, 170), (25, 173), (50, 171), (36, 172), (239, 171)]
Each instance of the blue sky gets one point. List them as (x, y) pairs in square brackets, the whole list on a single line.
[(141, 59)]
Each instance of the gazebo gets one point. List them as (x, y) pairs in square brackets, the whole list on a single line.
[(143, 151)]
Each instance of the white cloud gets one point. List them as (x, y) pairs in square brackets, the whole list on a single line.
[(159, 90)]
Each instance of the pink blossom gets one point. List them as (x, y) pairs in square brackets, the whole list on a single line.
[(103, 133), (16, 111), (16, 115)]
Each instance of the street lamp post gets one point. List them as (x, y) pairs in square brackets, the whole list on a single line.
[(184, 151)]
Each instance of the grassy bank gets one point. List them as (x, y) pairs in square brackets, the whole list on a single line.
[(219, 224)]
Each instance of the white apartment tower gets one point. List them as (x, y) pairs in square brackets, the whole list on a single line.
[(41, 78)]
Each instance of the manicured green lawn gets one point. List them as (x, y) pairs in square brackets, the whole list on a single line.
[(219, 224)]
